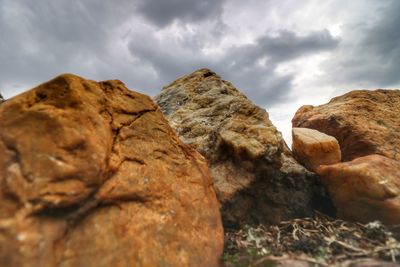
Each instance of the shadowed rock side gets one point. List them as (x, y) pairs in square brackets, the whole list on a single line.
[(364, 122), (1, 99), (256, 178), (91, 174)]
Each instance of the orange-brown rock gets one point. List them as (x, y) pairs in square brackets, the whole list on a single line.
[(256, 178), (365, 189), (313, 148), (91, 174), (364, 122)]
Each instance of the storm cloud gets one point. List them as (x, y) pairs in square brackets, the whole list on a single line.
[(372, 59), (162, 13), (280, 53)]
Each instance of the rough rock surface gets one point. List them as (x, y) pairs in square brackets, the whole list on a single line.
[(365, 189), (91, 174), (313, 148), (364, 122), (256, 178)]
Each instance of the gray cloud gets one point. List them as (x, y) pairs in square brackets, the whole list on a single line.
[(250, 67), (164, 12), (44, 38), (371, 60), (139, 43)]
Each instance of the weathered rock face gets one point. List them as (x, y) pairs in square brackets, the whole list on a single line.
[(364, 122), (256, 178), (91, 174), (365, 189), (313, 148)]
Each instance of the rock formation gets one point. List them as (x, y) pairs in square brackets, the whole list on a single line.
[(256, 178), (1, 99), (313, 148), (364, 122), (365, 189), (91, 174)]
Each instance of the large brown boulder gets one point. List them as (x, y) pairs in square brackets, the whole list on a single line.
[(256, 178), (364, 122), (91, 174), (365, 189)]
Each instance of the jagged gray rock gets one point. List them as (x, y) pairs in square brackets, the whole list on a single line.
[(256, 178)]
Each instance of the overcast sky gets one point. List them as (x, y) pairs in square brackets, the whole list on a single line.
[(281, 53)]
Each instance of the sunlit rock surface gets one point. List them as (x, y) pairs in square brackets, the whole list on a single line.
[(313, 148), (91, 174)]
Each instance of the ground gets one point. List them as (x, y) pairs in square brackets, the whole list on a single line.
[(318, 241)]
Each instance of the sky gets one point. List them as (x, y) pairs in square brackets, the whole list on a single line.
[(281, 53)]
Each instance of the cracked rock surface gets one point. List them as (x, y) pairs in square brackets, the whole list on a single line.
[(91, 174), (256, 178), (364, 122)]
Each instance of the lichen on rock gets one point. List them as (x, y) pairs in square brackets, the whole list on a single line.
[(256, 178)]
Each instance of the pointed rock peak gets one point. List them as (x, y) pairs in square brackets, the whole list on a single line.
[(204, 72), (198, 75), (202, 83)]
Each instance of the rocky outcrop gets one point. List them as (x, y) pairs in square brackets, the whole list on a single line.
[(365, 189), (256, 178), (91, 174), (364, 122), (1, 99), (313, 148)]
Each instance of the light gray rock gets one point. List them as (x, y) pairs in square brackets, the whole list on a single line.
[(256, 178)]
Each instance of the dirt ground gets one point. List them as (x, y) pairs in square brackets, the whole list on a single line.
[(318, 241)]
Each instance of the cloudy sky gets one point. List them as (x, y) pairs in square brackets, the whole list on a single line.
[(281, 53)]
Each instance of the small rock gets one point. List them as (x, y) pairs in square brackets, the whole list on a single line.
[(365, 189), (313, 148)]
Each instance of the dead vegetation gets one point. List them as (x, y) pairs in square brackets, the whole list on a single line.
[(319, 241)]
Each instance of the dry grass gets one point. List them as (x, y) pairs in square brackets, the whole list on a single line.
[(320, 241)]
